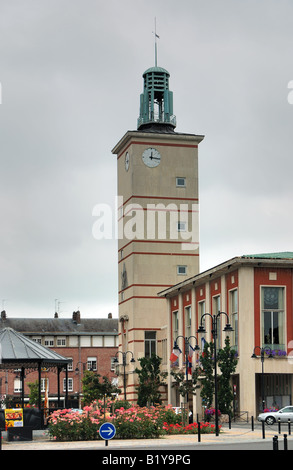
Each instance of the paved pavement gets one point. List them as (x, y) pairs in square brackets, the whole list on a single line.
[(237, 433)]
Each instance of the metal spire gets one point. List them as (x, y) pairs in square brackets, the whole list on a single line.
[(156, 101), (156, 36)]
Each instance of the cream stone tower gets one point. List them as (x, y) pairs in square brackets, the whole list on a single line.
[(158, 236)]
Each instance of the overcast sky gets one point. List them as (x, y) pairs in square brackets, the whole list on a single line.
[(71, 76)]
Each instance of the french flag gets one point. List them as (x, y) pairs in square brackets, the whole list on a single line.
[(175, 354), (190, 354)]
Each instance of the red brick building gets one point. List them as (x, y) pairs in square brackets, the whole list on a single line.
[(91, 343)]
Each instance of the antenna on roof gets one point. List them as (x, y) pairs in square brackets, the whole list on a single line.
[(57, 306), (156, 36)]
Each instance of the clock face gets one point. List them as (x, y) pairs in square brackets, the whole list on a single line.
[(151, 157), (127, 161)]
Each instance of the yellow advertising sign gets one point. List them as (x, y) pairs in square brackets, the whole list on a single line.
[(13, 417)]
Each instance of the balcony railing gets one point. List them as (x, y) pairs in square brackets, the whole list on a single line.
[(157, 119)]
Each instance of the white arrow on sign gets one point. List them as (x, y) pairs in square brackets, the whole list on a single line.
[(109, 431)]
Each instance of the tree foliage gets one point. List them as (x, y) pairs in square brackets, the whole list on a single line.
[(184, 386), (150, 379), (34, 393), (227, 362), (206, 364), (94, 388)]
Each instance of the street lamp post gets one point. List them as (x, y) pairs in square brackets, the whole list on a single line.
[(124, 354), (80, 373), (201, 329), (186, 353), (262, 357)]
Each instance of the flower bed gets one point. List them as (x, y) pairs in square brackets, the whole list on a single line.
[(269, 410), (211, 412), (68, 425), (205, 428), (132, 423)]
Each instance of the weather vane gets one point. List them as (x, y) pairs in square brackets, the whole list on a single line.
[(156, 36)]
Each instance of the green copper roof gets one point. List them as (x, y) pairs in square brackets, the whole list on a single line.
[(281, 255), (156, 69), (156, 101)]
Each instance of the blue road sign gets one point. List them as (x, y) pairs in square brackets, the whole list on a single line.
[(107, 431)]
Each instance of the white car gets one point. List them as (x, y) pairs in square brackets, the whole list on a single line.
[(272, 417)]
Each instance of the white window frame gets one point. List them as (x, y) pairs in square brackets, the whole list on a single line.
[(282, 310), (61, 341), (17, 385), (201, 311), (233, 316), (113, 363), (92, 363), (70, 365), (37, 339), (175, 324), (179, 268), (181, 226), (70, 384), (188, 321), (49, 341), (180, 182), (216, 309), (43, 384), (151, 342)]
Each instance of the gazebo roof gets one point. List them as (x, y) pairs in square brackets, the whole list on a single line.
[(18, 350)]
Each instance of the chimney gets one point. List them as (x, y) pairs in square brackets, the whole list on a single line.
[(109, 315), (76, 317), (3, 315)]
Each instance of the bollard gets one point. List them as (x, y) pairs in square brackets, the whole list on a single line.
[(279, 426), (285, 442), (289, 427), (275, 443), (252, 423), (198, 431), (263, 429), (230, 422)]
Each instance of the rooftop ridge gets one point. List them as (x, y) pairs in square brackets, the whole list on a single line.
[(276, 255)]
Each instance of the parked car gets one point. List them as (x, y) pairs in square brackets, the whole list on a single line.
[(271, 417)]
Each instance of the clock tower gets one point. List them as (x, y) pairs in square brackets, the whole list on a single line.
[(158, 232)]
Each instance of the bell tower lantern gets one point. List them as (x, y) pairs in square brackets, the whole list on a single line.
[(156, 101)]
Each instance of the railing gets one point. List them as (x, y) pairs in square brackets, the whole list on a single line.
[(160, 120), (241, 416)]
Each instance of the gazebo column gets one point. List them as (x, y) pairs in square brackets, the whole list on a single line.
[(58, 385), (40, 377), (66, 386), (22, 386)]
